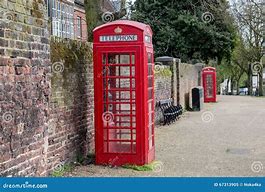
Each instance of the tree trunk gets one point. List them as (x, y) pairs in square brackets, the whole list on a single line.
[(250, 89), (94, 15), (261, 83), (237, 86), (232, 87), (92, 8), (226, 88)]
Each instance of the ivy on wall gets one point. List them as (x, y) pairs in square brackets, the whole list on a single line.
[(71, 61)]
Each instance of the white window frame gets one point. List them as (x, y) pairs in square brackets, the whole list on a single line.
[(79, 27), (62, 15)]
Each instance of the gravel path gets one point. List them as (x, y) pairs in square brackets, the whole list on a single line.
[(227, 138)]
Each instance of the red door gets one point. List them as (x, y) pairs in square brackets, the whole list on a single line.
[(117, 134)]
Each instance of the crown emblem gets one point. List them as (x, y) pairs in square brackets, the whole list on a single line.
[(118, 30)]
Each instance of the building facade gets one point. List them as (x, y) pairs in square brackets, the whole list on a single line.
[(61, 14), (68, 18), (80, 26)]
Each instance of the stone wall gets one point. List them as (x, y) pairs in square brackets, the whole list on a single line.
[(189, 77), (181, 78), (24, 87), (163, 88)]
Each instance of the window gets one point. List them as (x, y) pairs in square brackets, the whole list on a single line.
[(47, 4), (79, 27), (62, 19)]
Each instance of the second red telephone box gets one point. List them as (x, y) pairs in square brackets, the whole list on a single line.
[(209, 84), (124, 93)]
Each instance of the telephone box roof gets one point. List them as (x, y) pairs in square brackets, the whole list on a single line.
[(135, 24)]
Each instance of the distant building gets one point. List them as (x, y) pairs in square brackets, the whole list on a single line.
[(80, 26), (61, 14), (68, 18), (225, 87), (116, 5), (107, 5)]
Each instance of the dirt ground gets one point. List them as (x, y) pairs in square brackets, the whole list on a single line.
[(226, 138)]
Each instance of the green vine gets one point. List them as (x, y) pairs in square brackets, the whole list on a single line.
[(70, 59)]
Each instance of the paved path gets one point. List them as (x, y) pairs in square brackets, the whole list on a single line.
[(227, 138)]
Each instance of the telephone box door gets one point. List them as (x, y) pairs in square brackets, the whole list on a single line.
[(209, 84), (117, 132)]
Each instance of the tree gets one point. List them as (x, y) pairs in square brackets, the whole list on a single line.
[(94, 14), (249, 17), (188, 29), (232, 72)]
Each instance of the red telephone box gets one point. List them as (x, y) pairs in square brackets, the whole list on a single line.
[(124, 93), (209, 84)]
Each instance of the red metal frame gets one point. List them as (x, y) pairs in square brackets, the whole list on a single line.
[(124, 93), (209, 84)]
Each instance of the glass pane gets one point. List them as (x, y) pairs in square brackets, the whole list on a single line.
[(133, 59), (104, 59), (114, 58), (150, 81), (125, 83), (119, 147), (209, 86), (119, 70), (120, 134), (124, 71), (150, 70), (122, 119), (124, 106), (149, 57), (125, 59), (121, 95), (150, 93)]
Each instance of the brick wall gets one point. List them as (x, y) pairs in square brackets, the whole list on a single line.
[(71, 130), (24, 87), (46, 102)]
